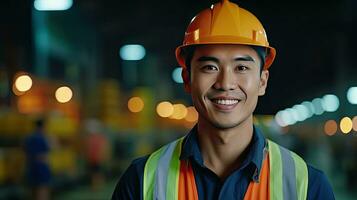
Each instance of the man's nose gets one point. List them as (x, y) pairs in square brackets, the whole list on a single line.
[(226, 80)]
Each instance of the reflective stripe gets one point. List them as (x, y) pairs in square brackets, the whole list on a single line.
[(289, 177), (162, 167), (288, 174), (149, 173), (302, 176), (174, 173), (276, 181), (162, 171)]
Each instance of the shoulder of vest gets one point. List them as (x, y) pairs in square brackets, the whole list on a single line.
[(285, 167), (296, 157), (166, 145)]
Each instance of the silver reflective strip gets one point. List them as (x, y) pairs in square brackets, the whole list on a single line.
[(162, 172), (289, 176)]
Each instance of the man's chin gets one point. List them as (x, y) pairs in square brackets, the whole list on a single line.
[(225, 126)]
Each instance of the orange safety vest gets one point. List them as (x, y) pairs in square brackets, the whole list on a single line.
[(283, 176)]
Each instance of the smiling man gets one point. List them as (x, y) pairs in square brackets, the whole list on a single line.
[(225, 82), (225, 58)]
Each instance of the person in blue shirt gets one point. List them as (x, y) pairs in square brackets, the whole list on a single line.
[(38, 171), (225, 58)]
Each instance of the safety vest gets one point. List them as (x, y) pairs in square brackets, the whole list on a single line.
[(283, 175)]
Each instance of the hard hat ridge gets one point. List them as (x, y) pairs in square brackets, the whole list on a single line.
[(220, 15)]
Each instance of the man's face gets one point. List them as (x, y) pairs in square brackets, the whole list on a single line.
[(225, 83)]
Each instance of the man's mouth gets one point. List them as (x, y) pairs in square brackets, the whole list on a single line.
[(227, 102)]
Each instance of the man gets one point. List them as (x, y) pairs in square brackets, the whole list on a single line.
[(38, 170), (225, 58)]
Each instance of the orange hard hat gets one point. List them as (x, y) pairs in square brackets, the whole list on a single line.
[(225, 23)]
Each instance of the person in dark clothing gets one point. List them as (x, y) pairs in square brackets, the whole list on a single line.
[(38, 171)]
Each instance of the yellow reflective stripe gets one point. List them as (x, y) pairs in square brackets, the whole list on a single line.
[(151, 169), (149, 173), (301, 176), (174, 173), (276, 176), (276, 172), (300, 173)]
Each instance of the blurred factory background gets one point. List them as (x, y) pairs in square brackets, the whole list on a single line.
[(103, 76)]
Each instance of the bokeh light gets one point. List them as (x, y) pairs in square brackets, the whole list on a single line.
[(279, 119), (310, 108), (23, 83), (294, 115), (330, 127), (180, 111), (192, 115), (346, 125), (354, 123), (135, 104), (164, 109), (285, 117), (63, 94), (289, 116), (176, 75), (132, 52), (330, 103), (317, 103), (352, 95), (302, 112), (47, 5)]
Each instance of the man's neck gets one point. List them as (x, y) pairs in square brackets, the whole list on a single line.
[(224, 149)]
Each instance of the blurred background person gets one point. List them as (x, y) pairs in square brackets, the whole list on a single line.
[(97, 149), (38, 171)]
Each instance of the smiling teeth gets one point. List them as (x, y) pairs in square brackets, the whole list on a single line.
[(226, 102)]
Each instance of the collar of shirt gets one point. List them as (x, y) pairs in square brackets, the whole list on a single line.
[(254, 157)]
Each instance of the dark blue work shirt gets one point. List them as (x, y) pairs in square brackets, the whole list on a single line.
[(209, 185)]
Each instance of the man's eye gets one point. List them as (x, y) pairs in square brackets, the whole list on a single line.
[(242, 68), (209, 68)]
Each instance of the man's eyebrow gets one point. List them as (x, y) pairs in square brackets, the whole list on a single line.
[(208, 58), (244, 58), (214, 59)]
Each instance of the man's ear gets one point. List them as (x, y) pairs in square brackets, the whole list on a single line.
[(186, 80), (264, 76)]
